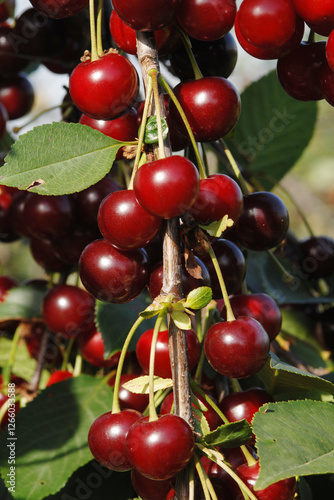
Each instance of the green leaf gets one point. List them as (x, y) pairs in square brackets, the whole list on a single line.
[(24, 366), (216, 228), (294, 438), (24, 302), (229, 435), (51, 434), (151, 130), (199, 297), (140, 385), (181, 320), (59, 158), (268, 138), (201, 425)]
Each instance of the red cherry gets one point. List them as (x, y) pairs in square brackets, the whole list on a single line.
[(5, 419), (10, 62), (259, 306), (43, 253), (6, 283), (148, 489), (58, 376), (207, 20), (106, 88), (168, 187), (92, 349), (318, 15), (162, 363), (53, 355), (237, 349), (124, 222), (69, 248), (161, 448), (58, 9), (211, 105), (106, 439), (129, 399), (330, 50), (16, 95), (282, 490), (111, 275), (327, 83), (152, 16), (317, 256), (6, 10)]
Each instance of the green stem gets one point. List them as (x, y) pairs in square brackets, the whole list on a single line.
[(235, 167), (229, 313), (236, 385), (202, 477), (93, 53), (187, 45), (248, 456), (99, 29), (153, 73), (16, 130), (171, 94), (77, 365), (9, 366), (207, 323), (287, 277), (115, 404), (152, 410), (197, 388), (67, 353)]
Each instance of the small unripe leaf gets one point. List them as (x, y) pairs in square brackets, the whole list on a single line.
[(216, 228), (181, 320), (199, 298), (140, 385)]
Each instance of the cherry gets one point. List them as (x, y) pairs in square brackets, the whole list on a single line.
[(318, 15), (264, 221), (3, 120), (58, 9), (161, 448), (267, 23), (207, 20), (68, 310), (92, 349), (317, 256), (106, 88), (330, 50), (33, 340), (156, 14), (5, 419), (58, 376), (6, 10), (327, 83), (111, 275), (167, 187), (129, 399), (68, 248), (148, 489), (282, 490), (259, 306), (162, 366), (10, 62), (106, 439), (324, 329), (8, 196), (6, 283), (232, 264), (298, 71), (44, 254), (17, 95), (211, 105), (124, 222), (237, 349), (219, 195)]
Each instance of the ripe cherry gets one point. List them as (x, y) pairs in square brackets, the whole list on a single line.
[(162, 366), (206, 20), (259, 306), (6, 283), (6, 10), (167, 187), (129, 399), (58, 9), (148, 489), (106, 439), (318, 15), (58, 376), (106, 88), (317, 256), (68, 248), (68, 310), (211, 105), (161, 448), (124, 222), (152, 16), (10, 62), (43, 253), (16, 95), (324, 329), (330, 50), (111, 275), (34, 339), (237, 349), (92, 349)]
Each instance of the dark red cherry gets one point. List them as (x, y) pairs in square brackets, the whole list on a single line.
[(106, 88), (129, 399), (14, 409), (148, 489), (111, 275), (106, 439), (6, 283), (69, 310), (34, 338), (282, 490), (17, 95), (10, 60), (68, 248), (237, 349), (264, 221), (327, 83), (324, 329), (162, 366), (330, 50), (207, 20), (44, 255), (211, 105), (58, 9), (92, 349), (161, 448), (152, 16), (267, 23), (124, 222), (167, 187), (318, 15), (259, 306), (299, 71), (6, 10), (219, 195), (317, 256), (58, 376)]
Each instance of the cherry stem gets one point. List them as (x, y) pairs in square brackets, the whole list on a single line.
[(229, 313), (207, 322), (16, 130), (197, 388), (67, 353), (203, 478), (171, 94), (115, 404), (9, 366), (248, 456), (152, 411), (236, 385), (99, 29), (287, 277), (187, 45), (77, 365), (35, 379), (235, 167), (153, 73), (93, 53)]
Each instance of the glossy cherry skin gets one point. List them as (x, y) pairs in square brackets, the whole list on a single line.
[(129, 399), (106, 439), (237, 349), (6, 10), (43, 253), (161, 448), (167, 187), (58, 9), (318, 15), (327, 83), (298, 71), (318, 256), (53, 355), (259, 306), (150, 16), (106, 88), (92, 349), (211, 105), (207, 20), (10, 62), (68, 248), (69, 310), (16, 95), (282, 490), (6, 283), (162, 366), (267, 23), (330, 50), (219, 195), (124, 222), (58, 376), (111, 275), (148, 489), (264, 221)]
